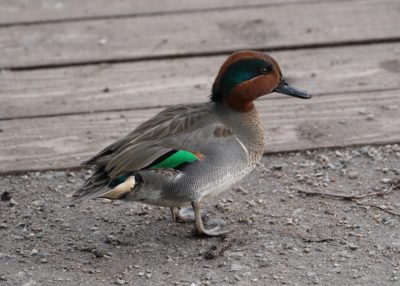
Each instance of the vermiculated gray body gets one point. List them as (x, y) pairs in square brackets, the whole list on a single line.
[(231, 142)]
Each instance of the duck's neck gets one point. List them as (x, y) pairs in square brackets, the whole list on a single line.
[(246, 125), (239, 103)]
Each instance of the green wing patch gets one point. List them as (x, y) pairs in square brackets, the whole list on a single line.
[(171, 160), (174, 159)]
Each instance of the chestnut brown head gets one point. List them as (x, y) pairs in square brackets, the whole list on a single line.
[(247, 75)]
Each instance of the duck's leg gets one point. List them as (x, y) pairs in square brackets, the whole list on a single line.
[(216, 231), (173, 214), (186, 214)]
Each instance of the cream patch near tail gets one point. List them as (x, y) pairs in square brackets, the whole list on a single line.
[(121, 190)]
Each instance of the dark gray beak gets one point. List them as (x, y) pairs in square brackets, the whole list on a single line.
[(285, 88)]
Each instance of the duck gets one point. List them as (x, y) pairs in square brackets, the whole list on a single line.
[(189, 152)]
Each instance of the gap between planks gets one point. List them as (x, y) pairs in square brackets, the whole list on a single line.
[(100, 111), (324, 121), (164, 83), (19, 12), (206, 33), (289, 47), (76, 11)]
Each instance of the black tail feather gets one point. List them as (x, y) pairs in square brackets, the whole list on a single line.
[(93, 186)]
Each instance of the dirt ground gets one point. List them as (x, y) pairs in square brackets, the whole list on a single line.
[(280, 235)]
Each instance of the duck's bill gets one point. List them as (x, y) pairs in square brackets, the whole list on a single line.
[(285, 88)]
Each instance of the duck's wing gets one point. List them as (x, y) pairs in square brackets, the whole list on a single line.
[(164, 141), (147, 142)]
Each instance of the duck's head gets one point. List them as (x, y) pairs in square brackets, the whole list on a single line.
[(247, 75)]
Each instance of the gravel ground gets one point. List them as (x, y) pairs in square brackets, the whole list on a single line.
[(280, 235)]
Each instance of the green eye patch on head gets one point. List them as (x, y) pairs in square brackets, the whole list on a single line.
[(239, 72)]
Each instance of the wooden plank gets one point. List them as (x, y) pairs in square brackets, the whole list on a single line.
[(291, 124), (168, 82), (123, 39), (27, 11)]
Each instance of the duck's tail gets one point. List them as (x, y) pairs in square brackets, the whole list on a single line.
[(101, 185)]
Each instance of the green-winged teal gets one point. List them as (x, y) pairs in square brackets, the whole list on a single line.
[(188, 152)]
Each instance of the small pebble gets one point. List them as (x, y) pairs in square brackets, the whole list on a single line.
[(38, 203), (353, 246), (251, 203), (277, 167), (242, 190), (119, 281), (44, 260), (12, 203), (34, 252), (370, 117), (102, 41), (353, 175)]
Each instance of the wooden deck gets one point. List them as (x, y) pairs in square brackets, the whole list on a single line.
[(76, 75)]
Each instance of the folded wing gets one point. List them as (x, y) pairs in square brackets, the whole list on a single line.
[(167, 140)]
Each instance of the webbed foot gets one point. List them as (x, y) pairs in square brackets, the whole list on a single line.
[(186, 214), (218, 230)]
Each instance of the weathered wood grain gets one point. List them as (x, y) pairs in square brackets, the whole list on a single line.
[(168, 82), (291, 25), (291, 124), (27, 11)]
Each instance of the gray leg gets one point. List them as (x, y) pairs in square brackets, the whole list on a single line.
[(186, 214), (216, 231), (173, 214)]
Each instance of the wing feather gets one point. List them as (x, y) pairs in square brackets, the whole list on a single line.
[(144, 145)]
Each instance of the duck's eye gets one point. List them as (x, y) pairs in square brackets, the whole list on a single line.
[(266, 70)]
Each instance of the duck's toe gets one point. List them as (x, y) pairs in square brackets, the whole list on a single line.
[(187, 215), (214, 228), (217, 230)]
